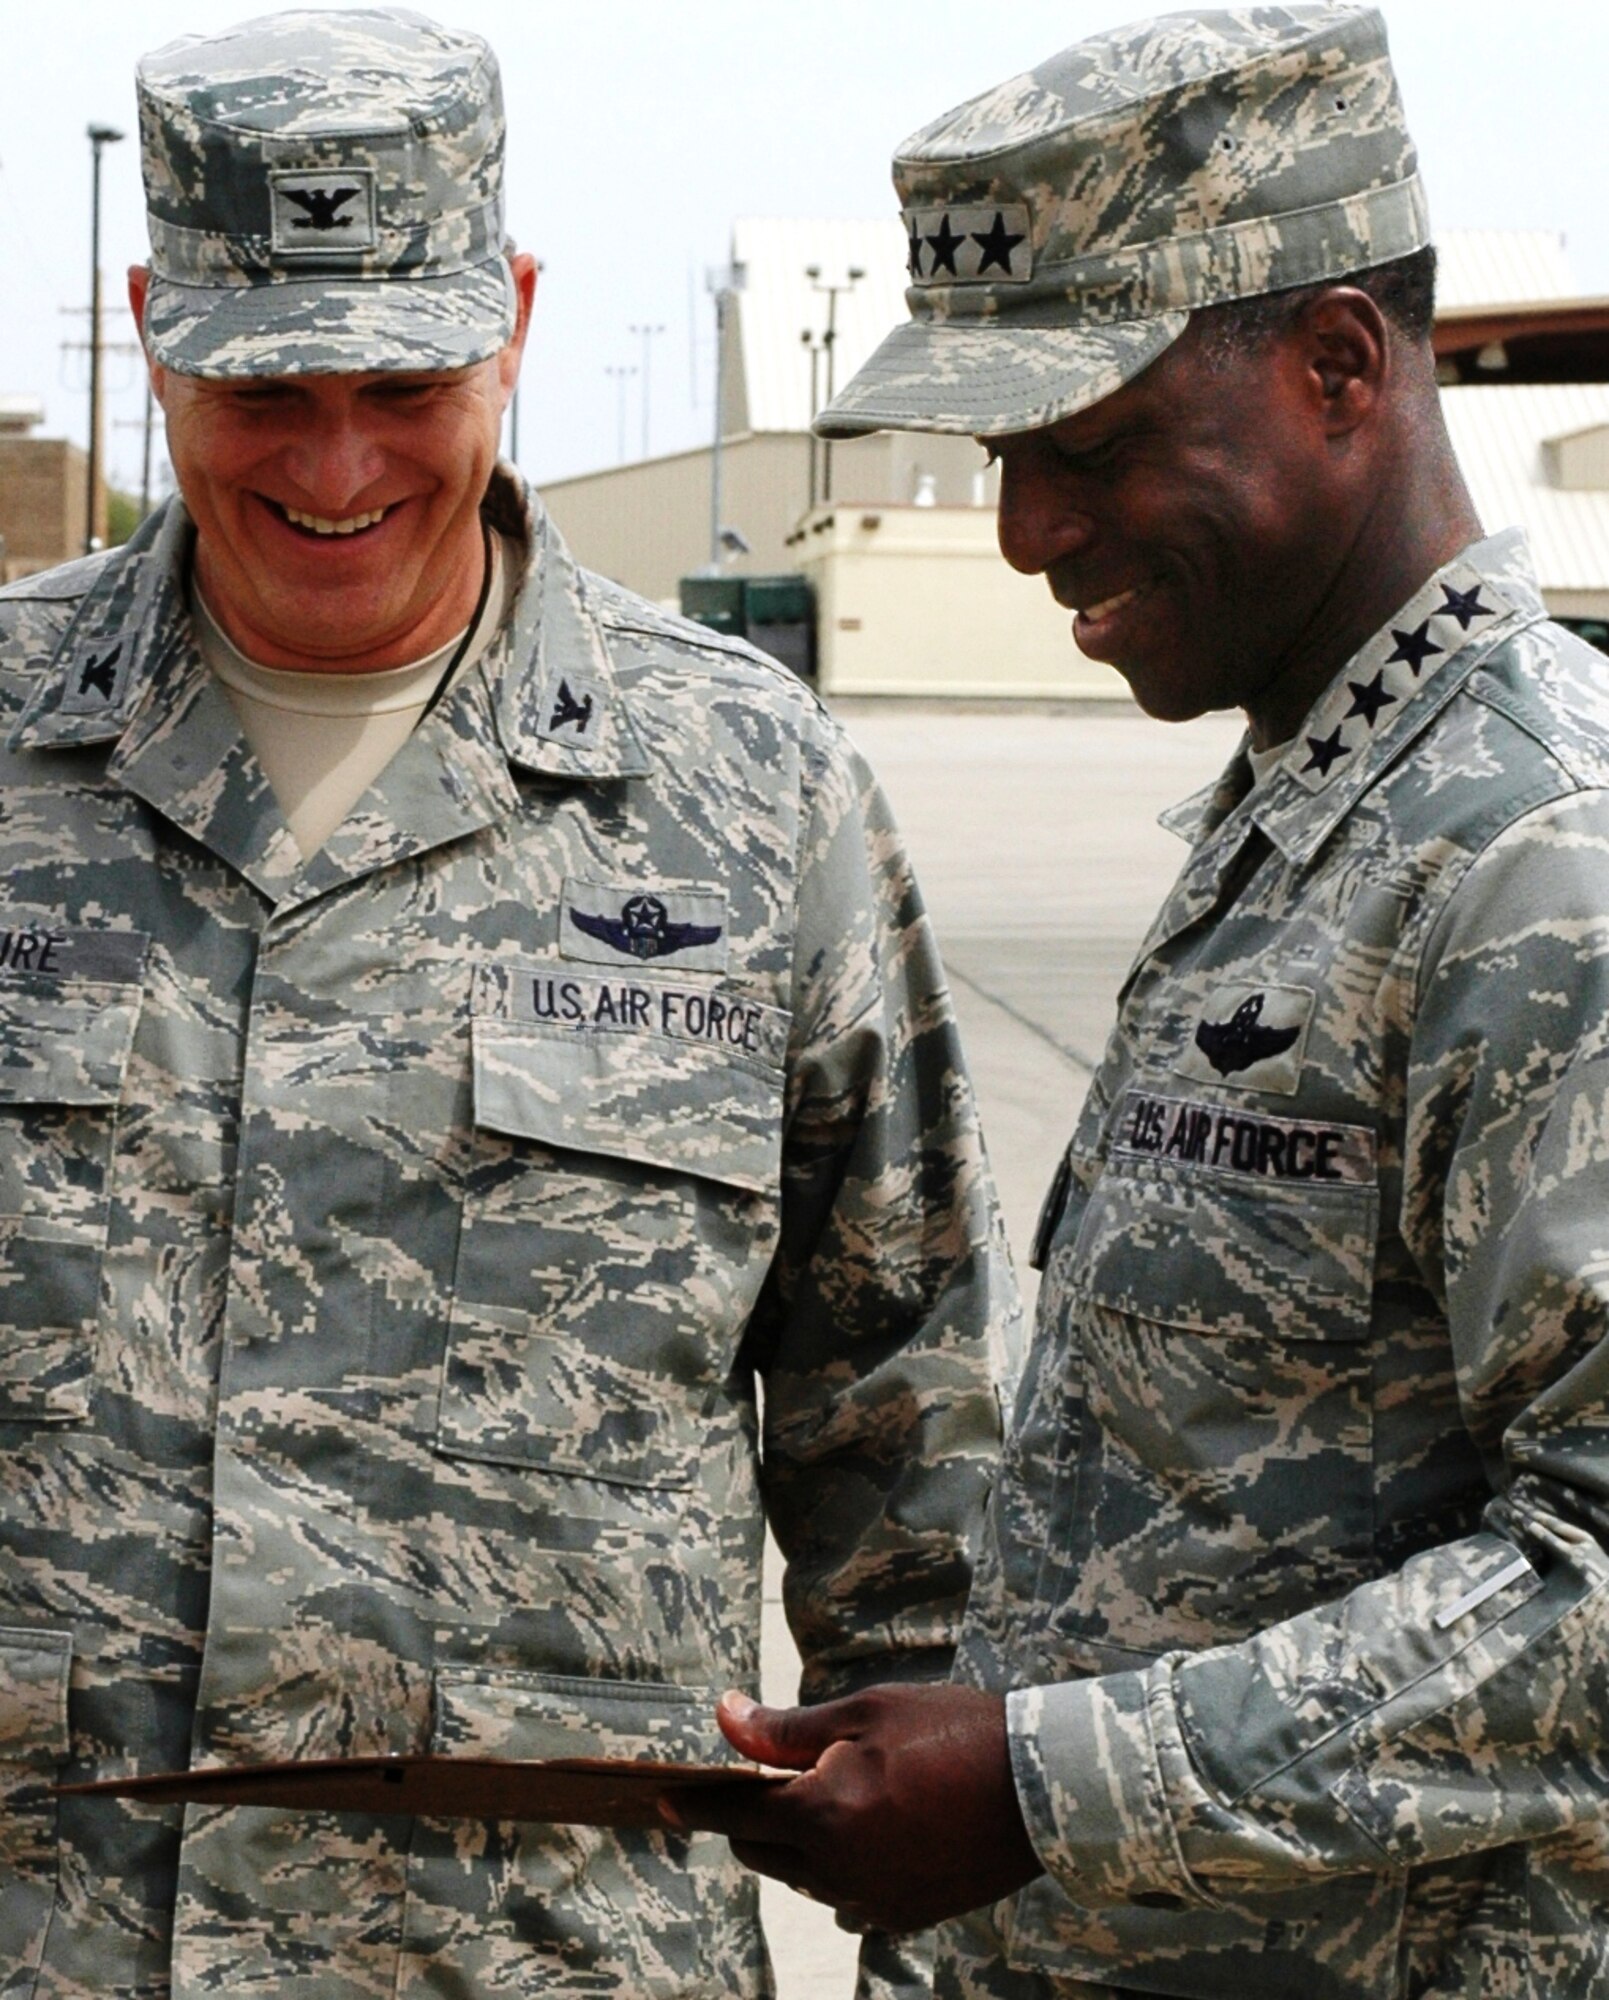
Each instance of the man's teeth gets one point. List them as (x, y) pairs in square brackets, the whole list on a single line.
[(322, 525), (1110, 604)]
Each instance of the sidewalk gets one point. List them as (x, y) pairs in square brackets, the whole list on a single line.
[(1034, 835)]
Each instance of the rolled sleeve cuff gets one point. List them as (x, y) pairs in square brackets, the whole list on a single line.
[(1092, 1761)]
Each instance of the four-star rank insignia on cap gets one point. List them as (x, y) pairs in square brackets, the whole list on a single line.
[(319, 213), (986, 245)]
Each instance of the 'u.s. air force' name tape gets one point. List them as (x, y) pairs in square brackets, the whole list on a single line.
[(584, 1003), (1232, 1141)]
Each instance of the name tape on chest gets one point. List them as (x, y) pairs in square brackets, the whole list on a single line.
[(1231, 1141), (60, 951), (586, 1004)]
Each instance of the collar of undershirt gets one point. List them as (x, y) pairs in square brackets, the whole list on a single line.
[(415, 685)]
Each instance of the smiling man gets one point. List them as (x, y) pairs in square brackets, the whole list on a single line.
[(462, 1032), (1289, 1656)]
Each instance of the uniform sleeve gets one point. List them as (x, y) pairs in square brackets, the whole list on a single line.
[(891, 1297), (1461, 1702)]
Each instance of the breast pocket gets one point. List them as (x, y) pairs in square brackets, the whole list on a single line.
[(579, 1911), (64, 1048), (1218, 1320), (618, 1219)]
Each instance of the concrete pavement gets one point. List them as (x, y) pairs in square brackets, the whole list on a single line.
[(1034, 835)]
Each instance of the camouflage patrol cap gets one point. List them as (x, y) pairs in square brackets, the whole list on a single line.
[(1062, 226), (325, 195)]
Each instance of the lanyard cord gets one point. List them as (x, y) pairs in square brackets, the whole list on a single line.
[(470, 629)]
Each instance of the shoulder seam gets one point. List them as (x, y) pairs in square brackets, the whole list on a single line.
[(1434, 909), (1496, 697), (718, 646)]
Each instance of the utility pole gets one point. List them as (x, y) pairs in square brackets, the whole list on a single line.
[(852, 278), (647, 333), (145, 424), (622, 375), (723, 286), (99, 136)]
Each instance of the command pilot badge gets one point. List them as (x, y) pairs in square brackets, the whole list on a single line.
[(1250, 1037), (606, 922)]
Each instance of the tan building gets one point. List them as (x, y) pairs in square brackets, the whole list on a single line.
[(42, 491)]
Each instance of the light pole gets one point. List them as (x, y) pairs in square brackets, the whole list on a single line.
[(815, 349), (647, 333), (723, 286), (99, 135), (622, 375), (852, 277)]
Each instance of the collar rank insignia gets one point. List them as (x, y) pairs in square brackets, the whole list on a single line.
[(569, 713), (98, 674), (94, 677), (1250, 1037), (1464, 605), (644, 929)]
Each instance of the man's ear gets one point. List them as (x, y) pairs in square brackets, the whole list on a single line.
[(139, 286), (1345, 347), (525, 269)]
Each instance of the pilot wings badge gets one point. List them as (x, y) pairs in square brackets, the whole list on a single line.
[(1250, 1037), (644, 929), (605, 924)]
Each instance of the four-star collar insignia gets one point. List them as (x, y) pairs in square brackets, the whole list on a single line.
[(986, 244), (1390, 670)]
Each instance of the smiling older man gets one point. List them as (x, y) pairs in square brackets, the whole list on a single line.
[(460, 1031)]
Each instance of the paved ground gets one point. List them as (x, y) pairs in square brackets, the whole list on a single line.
[(1034, 835)]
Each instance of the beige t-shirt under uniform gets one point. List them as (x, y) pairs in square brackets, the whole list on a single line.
[(1263, 761), (323, 739)]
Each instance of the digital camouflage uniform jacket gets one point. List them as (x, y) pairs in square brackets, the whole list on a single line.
[(1309, 1473), (390, 1249)]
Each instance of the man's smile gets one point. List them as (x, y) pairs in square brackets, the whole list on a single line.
[(320, 527)]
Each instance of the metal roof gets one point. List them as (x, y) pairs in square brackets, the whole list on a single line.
[(1477, 267), (1500, 267), (1499, 434)]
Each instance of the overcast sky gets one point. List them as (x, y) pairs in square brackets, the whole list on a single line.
[(640, 128)]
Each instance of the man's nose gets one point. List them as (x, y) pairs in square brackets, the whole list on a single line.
[(1038, 520), (334, 463)]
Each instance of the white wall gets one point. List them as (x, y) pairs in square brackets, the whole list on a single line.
[(917, 601)]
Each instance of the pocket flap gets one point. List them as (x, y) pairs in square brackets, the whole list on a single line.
[(692, 1107), (489, 1712), (67, 1041), (1229, 1222), (34, 1669)]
